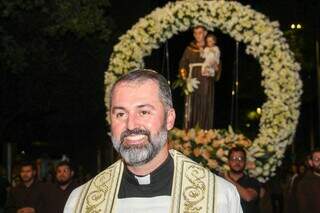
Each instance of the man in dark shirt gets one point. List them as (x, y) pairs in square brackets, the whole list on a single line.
[(248, 188), (27, 196), (305, 195), (58, 193)]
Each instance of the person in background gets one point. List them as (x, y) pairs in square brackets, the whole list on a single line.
[(27, 196), (248, 187), (305, 195), (58, 192)]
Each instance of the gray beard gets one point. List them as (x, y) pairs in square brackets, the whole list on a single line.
[(137, 155)]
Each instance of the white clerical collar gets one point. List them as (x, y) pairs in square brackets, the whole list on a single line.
[(143, 180)]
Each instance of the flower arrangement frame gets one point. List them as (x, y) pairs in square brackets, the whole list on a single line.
[(264, 41)]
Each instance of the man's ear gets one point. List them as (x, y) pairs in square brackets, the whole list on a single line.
[(171, 117)]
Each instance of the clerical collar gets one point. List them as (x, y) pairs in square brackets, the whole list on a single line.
[(157, 183), (157, 174), (143, 180)]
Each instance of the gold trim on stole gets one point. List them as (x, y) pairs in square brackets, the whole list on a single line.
[(193, 186), (100, 194)]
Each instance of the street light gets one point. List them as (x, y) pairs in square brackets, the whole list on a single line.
[(296, 26), (259, 111)]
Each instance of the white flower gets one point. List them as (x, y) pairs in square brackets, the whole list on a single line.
[(191, 84), (265, 42)]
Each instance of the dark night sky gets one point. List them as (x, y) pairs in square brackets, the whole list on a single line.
[(71, 117)]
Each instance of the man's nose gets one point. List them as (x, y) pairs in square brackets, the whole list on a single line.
[(132, 122)]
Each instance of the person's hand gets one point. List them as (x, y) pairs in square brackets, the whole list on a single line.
[(183, 74), (26, 210)]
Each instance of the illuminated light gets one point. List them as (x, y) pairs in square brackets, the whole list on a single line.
[(299, 26), (237, 83), (232, 92), (259, 111), (293, 26), (252, 115), (248, 125)]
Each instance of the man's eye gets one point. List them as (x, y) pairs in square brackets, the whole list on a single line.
[(144, 112), (120, 115)]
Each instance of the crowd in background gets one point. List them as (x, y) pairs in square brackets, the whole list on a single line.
[(31, 190), (34, 190), (295, 190)]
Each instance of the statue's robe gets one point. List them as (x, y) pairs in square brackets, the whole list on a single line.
[(201, 110)]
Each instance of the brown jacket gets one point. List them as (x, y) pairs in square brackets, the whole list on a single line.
[(305, 195)]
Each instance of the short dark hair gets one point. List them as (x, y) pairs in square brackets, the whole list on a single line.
[(64, 163), (314, 151), (237, 149), (141, 75), (27, 163)]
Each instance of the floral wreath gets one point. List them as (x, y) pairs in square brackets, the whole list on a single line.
[(263, 40)]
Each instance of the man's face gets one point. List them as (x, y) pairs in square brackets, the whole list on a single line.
[(64, 174), (139, 124), (315, 162), (27, 174), (237, 162), (199, 34)]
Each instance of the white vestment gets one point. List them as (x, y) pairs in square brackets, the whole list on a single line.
[(194, 189)]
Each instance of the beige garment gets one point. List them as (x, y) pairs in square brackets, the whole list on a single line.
[(193, 190)]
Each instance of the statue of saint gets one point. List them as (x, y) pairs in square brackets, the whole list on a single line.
[(201, 60)]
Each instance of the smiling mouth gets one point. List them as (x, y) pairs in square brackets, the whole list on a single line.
[(135, 139)]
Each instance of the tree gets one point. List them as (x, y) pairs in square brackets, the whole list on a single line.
[(35, 32), (52, 54)]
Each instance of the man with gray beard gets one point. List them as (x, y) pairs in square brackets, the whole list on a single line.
[(150, 177), (140, 154)]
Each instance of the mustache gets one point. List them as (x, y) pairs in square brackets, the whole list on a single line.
[(135, 131)]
